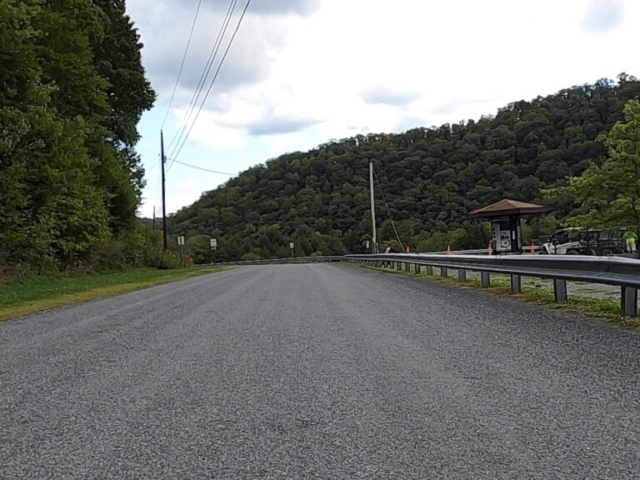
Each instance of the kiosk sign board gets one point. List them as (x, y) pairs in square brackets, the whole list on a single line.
[(501, 234)]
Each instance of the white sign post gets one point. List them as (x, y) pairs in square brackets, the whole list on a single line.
[(181, 245), (291, 246), (214, 245)]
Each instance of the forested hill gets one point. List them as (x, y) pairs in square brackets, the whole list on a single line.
[(431, 179)]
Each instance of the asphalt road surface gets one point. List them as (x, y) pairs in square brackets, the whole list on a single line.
[(316, 372)]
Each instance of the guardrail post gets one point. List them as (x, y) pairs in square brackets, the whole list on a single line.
[(407, 267), (462, 275), (560, 290), (485, 277), (444, 272), (429, 270), (417, 269), (399, 266), (516, 284), (629, 302)]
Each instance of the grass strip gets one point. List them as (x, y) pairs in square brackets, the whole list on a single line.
[(38, 293)]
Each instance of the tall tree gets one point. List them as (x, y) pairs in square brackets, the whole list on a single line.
[(610, 192), (69, 174), (129, 94), (118, 60), (50, 207)]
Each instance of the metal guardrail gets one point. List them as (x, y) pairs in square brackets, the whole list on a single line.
[(483, 251), (622, 272)]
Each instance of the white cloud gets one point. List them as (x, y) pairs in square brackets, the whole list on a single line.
[(189, 183), (209, 133), (603, 16)]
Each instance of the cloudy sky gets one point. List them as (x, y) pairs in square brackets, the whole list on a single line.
[(302, 72)]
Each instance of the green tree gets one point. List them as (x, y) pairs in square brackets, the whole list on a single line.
[(69, 176), (117, 59), (610, 192)]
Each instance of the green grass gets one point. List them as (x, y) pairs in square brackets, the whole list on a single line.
[(608, 310), (38, 293)]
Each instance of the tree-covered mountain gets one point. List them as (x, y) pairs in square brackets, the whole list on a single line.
[(73, 89), (429, 180)]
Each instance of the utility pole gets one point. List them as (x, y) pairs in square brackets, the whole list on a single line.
[(164, 198), (374, 243), (153, 227)]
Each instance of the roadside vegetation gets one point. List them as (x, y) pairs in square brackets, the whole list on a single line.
[(73, 92), (37, 293)]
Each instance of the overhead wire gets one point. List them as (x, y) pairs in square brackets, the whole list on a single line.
[(204, 169), (224, 56), (384, 200), (203, 77), (184, 57)]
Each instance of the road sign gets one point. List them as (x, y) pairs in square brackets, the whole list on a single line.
[(180, 240), (291, 245), (214, 243)]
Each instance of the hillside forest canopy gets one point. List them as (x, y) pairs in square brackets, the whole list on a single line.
[(428, 180)]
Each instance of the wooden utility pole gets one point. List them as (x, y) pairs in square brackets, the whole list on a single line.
[(374, 243), (164, 198), (153, 225)]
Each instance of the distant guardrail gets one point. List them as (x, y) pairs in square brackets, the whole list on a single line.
[(622, 272), (287, 260)]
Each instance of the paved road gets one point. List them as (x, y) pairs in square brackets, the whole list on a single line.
[(316, 372)]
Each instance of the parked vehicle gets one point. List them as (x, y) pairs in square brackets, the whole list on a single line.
[(581, 241), (571, 241)]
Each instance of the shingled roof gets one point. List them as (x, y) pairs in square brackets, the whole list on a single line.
[(508, 207)]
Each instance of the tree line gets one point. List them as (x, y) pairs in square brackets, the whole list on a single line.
[(73, 90), (428, 180)]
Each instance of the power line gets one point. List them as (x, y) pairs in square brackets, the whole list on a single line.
[(204, 169), (184, 57), (178, 149), (205, 73), (388, 211), (246, 7)]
